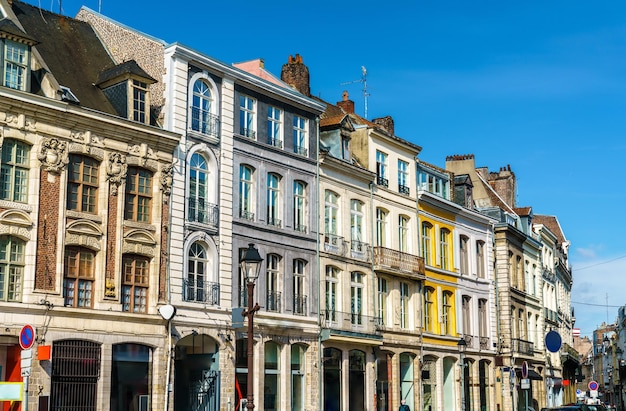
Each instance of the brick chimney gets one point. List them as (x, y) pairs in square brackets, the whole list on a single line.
[(346, 104), (296, 74), (386, 123)]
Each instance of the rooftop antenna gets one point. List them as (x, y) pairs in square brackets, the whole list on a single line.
[(363, 80), (100, 6)]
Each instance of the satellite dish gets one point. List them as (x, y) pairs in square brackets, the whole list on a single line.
[(553, 341), (167, 311)]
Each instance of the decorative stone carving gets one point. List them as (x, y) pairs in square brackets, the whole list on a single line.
[(53, 155), (143, 152), (167, 173), (116, 171), (109, 290)]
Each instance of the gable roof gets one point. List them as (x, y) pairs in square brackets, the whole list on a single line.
[(71, 50), (552, 223), (257, 68)]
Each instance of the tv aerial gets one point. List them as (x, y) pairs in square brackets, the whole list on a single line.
[(362, 80)]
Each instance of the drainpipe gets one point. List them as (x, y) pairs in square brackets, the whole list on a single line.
[(319, 268)]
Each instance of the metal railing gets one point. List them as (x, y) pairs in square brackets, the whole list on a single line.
[(402, 189), (299, 304), (358, 246), (206, 292), (247, 132), (246, 215), (301, 150), (272, 302), (275, 142), (382, 181), (333, 240), (200, 211), (349, 321), (301, 228), (398, 260), (275, 222), (522, 346), (205, 122)]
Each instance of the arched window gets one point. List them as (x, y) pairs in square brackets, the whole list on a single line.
[(464, 250), (428, 310), (246, 196), (273, 199), (331, 216), (198, 286), (14, 171), (480, 259), (11, 268), (199, 208), (356, 226), (427, 242), (298, 361), (299, 291), (271, 389), (202, 119), (444, 248), (272, 283), (332, 280), (299, 206)]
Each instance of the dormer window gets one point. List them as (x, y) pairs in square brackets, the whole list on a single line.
[(127, 88), (15, 65)]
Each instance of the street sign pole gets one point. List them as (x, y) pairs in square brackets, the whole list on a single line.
[(27, 340)]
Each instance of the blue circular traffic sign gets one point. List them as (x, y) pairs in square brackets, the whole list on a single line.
[(553, 341), (27, 337)]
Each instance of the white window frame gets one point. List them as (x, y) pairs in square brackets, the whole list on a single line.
[(16, 60), (299, 206), (246, 192), (273, 199), (274, 127), (300, 135), (247, 116)]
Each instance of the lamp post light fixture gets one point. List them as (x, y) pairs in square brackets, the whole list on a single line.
[(250, 265), (462, 346)]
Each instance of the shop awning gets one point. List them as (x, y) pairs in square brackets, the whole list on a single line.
[(532, 374)]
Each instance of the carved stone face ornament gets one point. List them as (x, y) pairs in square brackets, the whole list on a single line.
[(53, 155)]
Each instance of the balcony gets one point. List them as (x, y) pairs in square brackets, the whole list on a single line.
[(399, 263), (522, 347), (402, 189), (299, 305), (551, 315), (200, 211), (246, 215), (301, 151), (300, 228), (247, 132), (382, 181), (275, 142), (201, 292), (349, 322), (274, 222), (333, 243), (359, 250), (272, 302), (204, 122)]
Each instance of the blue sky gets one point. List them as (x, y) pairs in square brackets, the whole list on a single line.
[(539, 85)]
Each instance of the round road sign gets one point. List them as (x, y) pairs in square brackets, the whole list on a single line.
[(27, 337), (525, 370), (593, 386)]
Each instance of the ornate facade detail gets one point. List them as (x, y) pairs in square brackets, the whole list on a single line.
[(83, 240), (166, 180), (135, 248), (143, 152), (116, 171), (21, 232), (109, 290), (53, 155), (16, 206), (84, 233), (95, 152)]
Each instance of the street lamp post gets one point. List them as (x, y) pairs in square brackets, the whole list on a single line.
[(462, 346), (251, 266)]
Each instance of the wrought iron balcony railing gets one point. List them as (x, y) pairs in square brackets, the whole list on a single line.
[(201, 291), (275, 222), (394, 259), (246, 215), (299, 304), (382, 181), (522, 346), (333, 240), (301, 228), (200, 211), (402, 189), (275, 142), (247, 132), (273, 301), (349, 321), (301, 150), (204, 122)]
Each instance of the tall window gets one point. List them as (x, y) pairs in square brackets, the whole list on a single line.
[(428, 308), (273, 199), (135, 281), (381, 227), (138, 195), (299, 294), (331, 211), (382, 178), (15, 65), (482, 317), (82, 181), (403, 233), (271, 283), (332, 278), (466, 308), (274, 127), (356, 295), (271, 390), (247, 117), (426, 242), (245, 192), (403, 177), (298, 362), (131, 374), (79, 274), (299, 202), (382, 301), (404, 305), (202, 100), (11, 268), (480, 259), (446, 313), (196, 273), (464, 248), (140, 97), (356, 226), (444, 248), (198, 188), (300, 135), (14, 171)]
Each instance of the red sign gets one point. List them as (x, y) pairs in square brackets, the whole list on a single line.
[(525, 369), (27, 337), (593, 386)]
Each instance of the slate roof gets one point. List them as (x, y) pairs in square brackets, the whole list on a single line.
[(552, 223), (128, 67), (71, 50)]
